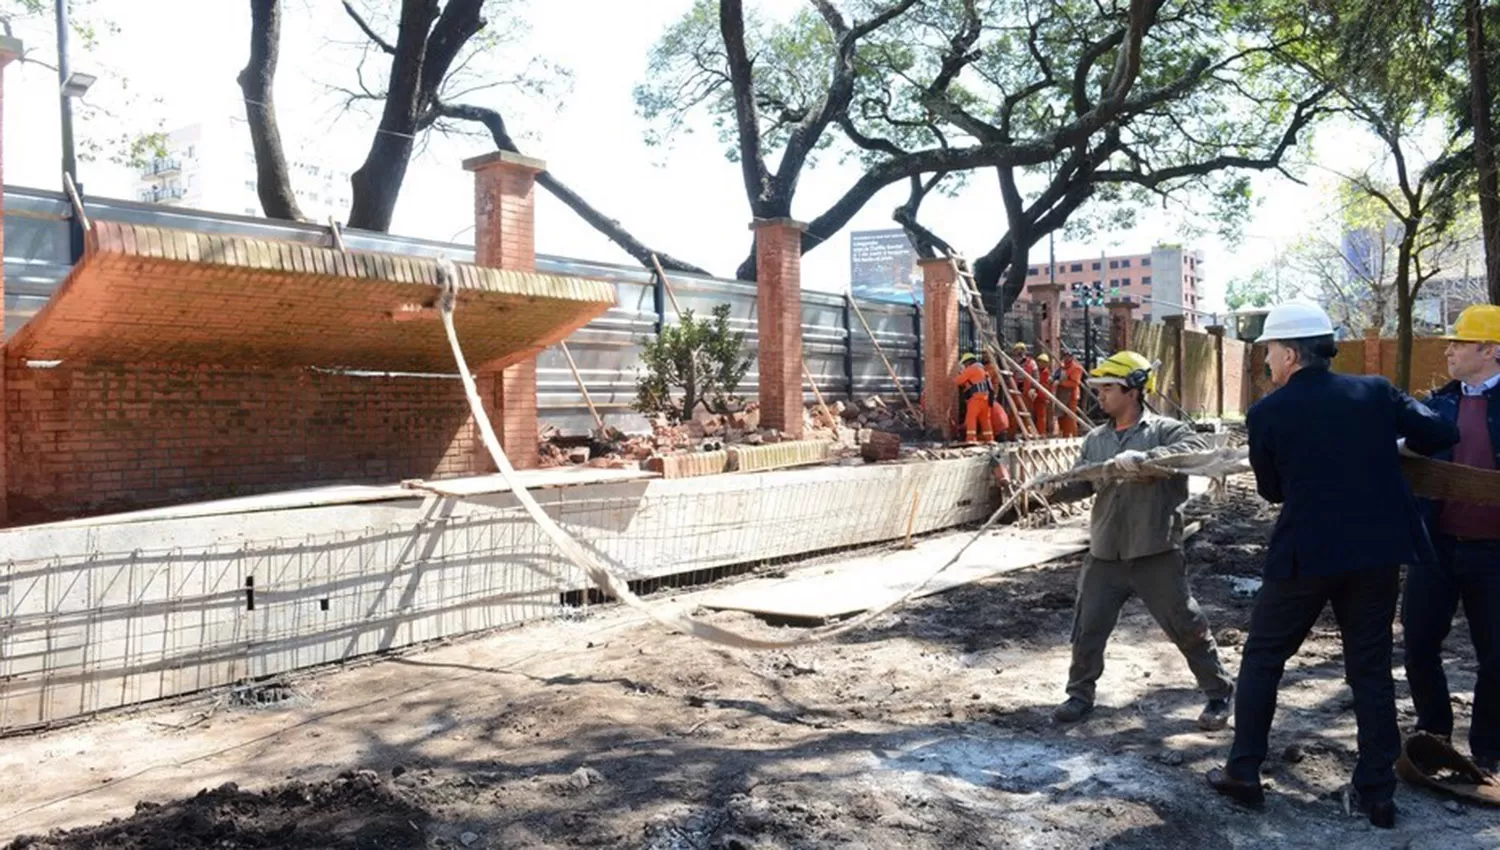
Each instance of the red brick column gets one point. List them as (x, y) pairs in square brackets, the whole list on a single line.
[(1048, 298), (1372, 351), (505, 237), (1121, 321), (939, 345), (10, 50), (778, 310)]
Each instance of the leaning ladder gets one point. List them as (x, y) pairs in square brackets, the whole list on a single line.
[(989, 340)]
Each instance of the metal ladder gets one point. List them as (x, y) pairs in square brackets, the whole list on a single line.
[(984, 324)]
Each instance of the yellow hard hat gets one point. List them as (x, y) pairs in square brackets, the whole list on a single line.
[(1126, 368), (1479, 323), (1044, 357), (1020, 346), (968, 357)]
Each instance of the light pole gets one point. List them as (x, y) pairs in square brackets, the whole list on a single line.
[(69, 86)]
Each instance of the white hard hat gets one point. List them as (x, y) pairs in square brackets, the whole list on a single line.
[(1295, 320)]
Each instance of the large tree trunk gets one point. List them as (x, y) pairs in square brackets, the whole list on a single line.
[(1484, 145), (272, 182), (1404, 306)]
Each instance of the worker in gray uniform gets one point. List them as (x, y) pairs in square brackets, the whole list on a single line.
[(1135, 542)]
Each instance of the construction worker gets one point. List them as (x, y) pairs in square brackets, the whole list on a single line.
[(1324, 446), (1070, 392), (1022, 356), (999, 421), (1135, 543), (1041, 406), (974, 395), (1466, 538)]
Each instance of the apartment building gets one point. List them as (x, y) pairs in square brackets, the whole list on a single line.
[(210, 166), (1165, 282)]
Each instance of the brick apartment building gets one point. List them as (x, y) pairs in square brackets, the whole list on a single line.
[(1166, 282)]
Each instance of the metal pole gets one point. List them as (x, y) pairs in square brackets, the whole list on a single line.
[(848, 318), (65, 106)]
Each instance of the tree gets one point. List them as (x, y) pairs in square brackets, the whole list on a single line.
[(117, 133), (1481, 116), (442, 55), (691, 363), (1392, 64), (926, 92), (273, 182)]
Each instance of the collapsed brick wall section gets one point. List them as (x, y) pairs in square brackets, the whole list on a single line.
[(90, 439)]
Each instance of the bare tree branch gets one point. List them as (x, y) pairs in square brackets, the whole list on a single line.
[(368, 30)]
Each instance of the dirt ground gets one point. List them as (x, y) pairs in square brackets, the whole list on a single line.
[(929, 730)]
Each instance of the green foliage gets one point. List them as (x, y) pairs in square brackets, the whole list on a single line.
[(1256, 290), (695, 362)]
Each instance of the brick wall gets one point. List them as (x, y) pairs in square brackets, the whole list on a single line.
[(939, 345), (102, 438), (1429, 369), (1200, 368)]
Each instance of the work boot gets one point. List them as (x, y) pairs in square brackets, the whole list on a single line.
[(1215, 715), (1251, 794), (1072, 711), (1382, 814)]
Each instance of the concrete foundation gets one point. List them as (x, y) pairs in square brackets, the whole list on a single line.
[(100, 614)]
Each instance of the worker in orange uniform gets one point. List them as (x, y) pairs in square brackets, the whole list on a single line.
[(974, 400), (1070, 392), (1022, 356), (999, 420), (1041, 405)]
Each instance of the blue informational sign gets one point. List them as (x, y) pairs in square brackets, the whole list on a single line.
[(883, 266)]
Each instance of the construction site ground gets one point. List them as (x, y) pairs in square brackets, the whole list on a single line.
[(928, 730)]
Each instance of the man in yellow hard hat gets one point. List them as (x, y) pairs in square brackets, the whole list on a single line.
[(1135, 543), (1466, 538)]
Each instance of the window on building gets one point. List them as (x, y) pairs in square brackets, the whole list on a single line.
[(1031, 270), (1146, 261), (1096, 267), (1125, 263), (1114, 264), (250, 184), (1146, 281), (251, 211), (1076, 267)]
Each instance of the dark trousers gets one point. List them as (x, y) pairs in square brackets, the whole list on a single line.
[(1468, 572), (1364, 602), (1161, 582)]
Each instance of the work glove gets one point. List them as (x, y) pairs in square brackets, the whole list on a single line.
[(1127, 462)]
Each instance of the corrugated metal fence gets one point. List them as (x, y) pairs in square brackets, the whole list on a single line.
[(838, 353)]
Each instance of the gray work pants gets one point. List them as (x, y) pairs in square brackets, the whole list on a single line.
[(1161, 583)]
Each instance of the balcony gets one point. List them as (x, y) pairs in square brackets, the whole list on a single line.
[(161, 194), (162, 165)]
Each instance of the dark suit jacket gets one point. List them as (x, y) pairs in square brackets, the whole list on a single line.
[(1324, 447)]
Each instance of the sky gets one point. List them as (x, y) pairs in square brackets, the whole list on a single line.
[(180, 59)]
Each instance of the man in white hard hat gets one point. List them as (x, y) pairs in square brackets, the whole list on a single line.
[(1324, 447)]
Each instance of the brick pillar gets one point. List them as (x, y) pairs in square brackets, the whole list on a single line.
[(10, 50), (1217, 332), (1048, 298), (505, 238), (778, 310), (939, 345), (1121, 321), (1177, 333), (1373, 366)]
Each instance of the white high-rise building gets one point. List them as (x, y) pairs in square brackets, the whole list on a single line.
[(210, 166)]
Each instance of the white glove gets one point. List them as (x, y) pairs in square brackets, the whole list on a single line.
[(1127, 462)]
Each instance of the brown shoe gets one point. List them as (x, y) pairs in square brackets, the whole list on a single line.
[(1251, 794)]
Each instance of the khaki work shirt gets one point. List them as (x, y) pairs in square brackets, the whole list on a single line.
[(1137, 519)]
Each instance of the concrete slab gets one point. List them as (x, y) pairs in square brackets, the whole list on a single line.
[(354, 494), (863, 584)]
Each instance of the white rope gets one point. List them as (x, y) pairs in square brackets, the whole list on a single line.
[(612, 584)]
